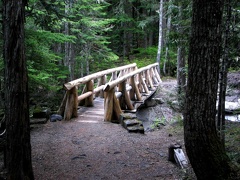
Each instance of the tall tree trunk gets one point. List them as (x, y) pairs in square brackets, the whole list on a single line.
[(160, 34), (223, 75), (204, 148), (169, 19), (68, 46), (19, 165), (181, 75)]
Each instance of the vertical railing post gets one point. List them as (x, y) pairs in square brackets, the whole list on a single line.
[(114, 77), (149, 79), (112, 109), (71, 104), (108, 105), (89, 87), (134, 92), (124, 100), (101, 81)]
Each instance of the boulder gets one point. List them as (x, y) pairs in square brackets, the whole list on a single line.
[(55, 117)]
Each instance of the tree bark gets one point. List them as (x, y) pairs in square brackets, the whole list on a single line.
[(169, 20), (223, 74), (68, 46), (160, 34), (19, 165), (181, 75), (204, 148)]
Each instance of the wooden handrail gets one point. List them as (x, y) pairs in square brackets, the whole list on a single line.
[(85, 79), (112, 84)]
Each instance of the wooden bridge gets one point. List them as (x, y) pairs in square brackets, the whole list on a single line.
[(123, 88)]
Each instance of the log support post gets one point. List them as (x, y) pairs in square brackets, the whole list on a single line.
[(125, 101), (90, 88), (154, 77), (82, 101), (101, 81), (134, 92), (149, 79), (71, 104), (157, 74), (114, 77), (122, 89), (112, 108), (63, 105)]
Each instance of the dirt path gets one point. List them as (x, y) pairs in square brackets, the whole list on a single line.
[(72, 150), (99, 150)]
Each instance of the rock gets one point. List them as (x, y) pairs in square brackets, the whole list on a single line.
[(159, 100), (136, 129), (124, 116), (41, 113), (55, 117), (130, 122), (150, 103), (127, 116), (175, 105)]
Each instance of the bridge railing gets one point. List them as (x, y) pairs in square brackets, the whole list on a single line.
[(126, 87), (134, 87), (94, 85)]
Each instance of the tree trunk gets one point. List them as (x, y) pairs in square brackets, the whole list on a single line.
[(19, 165), (169, 19), (204, 148), (181, 75), (68, 46), (223, 75), (160, 34)]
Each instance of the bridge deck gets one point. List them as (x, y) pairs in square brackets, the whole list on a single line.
[(92, 114), (96, 113)]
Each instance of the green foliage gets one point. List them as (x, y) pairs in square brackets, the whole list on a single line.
[(145, 56), (134, 21), (232, 140), (233, 38), (42, 63), (90, 25), (159, 122)]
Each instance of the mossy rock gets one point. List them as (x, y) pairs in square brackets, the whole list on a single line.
[(39, 112)]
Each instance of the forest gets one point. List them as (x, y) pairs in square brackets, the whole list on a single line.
[(70, 39), (66, 40)]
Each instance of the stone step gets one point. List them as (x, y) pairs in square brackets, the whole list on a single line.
[(136, 129), (130, 122)]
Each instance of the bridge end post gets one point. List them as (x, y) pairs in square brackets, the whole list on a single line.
[(112, 109), (71, 104)]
